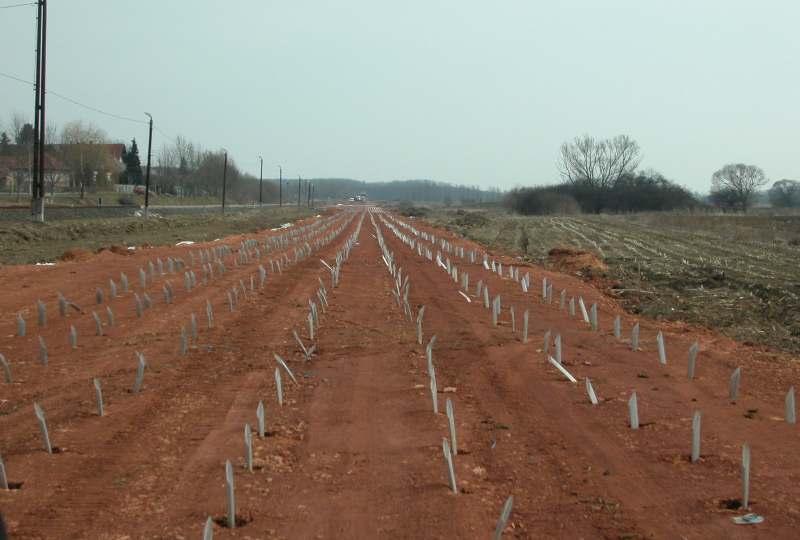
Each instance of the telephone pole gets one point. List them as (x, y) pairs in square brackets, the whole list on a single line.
[(261, 183), (299, 183), (147, 173), (37, 172), (280, 186), (224, 182)]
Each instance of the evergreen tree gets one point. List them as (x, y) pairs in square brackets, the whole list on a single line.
[(5, 143), (25, 136), (133, 166)]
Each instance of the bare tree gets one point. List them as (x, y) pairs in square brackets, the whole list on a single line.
[(598, 163), (737, 183), (167, 158), (51, 136), (17, 124), (51, 178), (85, 154)]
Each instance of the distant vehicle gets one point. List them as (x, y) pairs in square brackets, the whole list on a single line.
[(361, 197), (139, 190)]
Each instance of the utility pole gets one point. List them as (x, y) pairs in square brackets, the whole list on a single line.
[(224, 178), (36, 117), (299, 183), (147, 174), (308, 194), (261, 183), (280, 186), (37, 172)]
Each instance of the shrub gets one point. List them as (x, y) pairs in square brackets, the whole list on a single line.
[(629, 193), (126, 200), (542, 200), (407, 209), (471, 219)]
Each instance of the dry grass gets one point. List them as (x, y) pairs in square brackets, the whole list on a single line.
[(26, 242)]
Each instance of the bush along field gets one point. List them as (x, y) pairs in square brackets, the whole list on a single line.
[(28, 243), (735, 273)]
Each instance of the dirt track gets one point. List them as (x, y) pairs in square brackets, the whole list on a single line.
[(355, 452)]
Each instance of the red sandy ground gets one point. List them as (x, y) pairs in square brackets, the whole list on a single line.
[(355, 452)]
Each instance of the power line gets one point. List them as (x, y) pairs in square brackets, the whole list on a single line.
[(18, 5), (89, 107), (13, 78), (76, 102), (94, 109), (167, 135)]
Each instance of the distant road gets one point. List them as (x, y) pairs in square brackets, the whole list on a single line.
[(57, 212)]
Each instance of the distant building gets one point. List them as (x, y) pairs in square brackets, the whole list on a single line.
[(15, 173), (16, 166)]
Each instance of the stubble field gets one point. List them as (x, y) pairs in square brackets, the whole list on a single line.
[(738, 274)]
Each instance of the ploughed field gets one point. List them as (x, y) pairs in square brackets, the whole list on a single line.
[(735, 273), (351, 445)]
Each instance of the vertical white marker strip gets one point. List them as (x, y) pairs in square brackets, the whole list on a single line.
[(229, 482), (43, 427), (733, 385), (502, 522), (525, 327), (98, 393), (278, 386), (448, 458), (451, 420), (590, 392), (583, 310), (3, 476), (693, 350), (261, 417), (746, 476), (696, 420), (633, 410)]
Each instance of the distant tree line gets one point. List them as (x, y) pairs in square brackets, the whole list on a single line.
[(183, 168), (785, 194), (405, 190), (600, 176), (632, 192)]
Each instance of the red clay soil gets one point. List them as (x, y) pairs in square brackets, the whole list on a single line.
[(355, 451), (571, 261)]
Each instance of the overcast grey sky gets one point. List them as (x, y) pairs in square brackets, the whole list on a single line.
[(468, 91)]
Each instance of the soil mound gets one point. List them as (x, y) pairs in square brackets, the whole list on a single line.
[(571, 260), (75, 255), (119, 250)]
